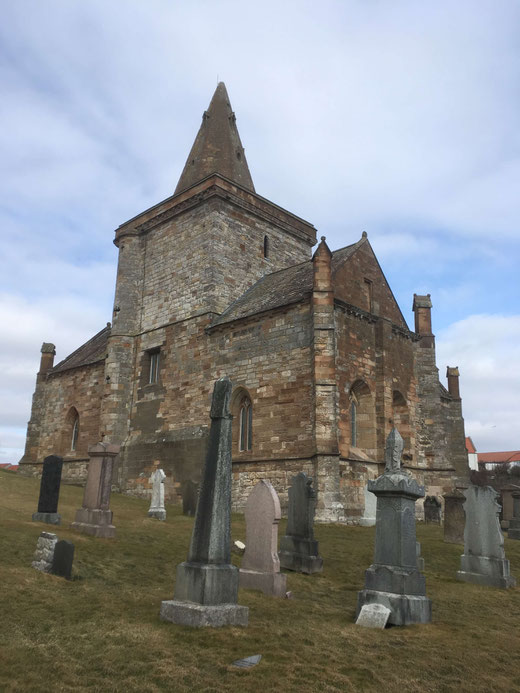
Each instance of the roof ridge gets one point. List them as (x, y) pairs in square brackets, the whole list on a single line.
[(82, 346)]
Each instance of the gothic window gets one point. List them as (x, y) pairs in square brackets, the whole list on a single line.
[(154, 367), (245, 425), (353, 420), (75, 433), (266, 247), (362, 418), (368, 298)]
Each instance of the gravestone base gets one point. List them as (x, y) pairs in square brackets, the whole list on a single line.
[(514, 529), (200, 615), (49, 518), (206, 584), (482, 570), (273, 584), (97, 523), (159, 514), (300, 555), (405, 609)]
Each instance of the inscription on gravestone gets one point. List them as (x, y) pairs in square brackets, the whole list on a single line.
[(49, 491)]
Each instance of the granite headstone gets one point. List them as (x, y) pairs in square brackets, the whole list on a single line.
[(393, 580), (514, 523), (63, 559), (432, 510), (298, 548), (157, 508), (454, 518), (260, 568), (206, 588), (483, 561), (373, 616), (49, 491)]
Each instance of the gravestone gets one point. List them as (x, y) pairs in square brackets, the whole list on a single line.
[(190, 495), (483, 561), (514, 523), (62, 559), (454, 517), (420, 559), (369, 513), (44, 554), (95, 517), (157, 508), (206, 587), (393, 579), (432, 510), (260, 568), (373, 616), (298, 548), (49, 491)]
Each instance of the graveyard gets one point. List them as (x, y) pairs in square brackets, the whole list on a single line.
[(101, 630)]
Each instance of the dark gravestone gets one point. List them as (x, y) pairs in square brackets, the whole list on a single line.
[(432, 510), (454, 517), (514, 523), (190, 495), (393, 579), (298, 548), (206, 588), (63, 558), (49, 491)]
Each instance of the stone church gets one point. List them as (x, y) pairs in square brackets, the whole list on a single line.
[(217, 280)]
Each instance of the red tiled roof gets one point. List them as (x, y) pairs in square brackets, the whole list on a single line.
[(469, 445), (499, 457)]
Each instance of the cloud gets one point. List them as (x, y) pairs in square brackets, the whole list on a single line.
[(486, 349)]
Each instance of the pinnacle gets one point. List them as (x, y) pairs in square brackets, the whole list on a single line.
[(217, 147)]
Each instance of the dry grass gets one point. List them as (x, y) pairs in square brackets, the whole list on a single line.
[(101, 631)]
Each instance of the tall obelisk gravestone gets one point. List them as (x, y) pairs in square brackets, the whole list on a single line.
[(206, 588), (393, 580), (49, 491)]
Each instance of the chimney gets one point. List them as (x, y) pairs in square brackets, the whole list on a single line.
[(47, 360), (453, 381), (422, 307)]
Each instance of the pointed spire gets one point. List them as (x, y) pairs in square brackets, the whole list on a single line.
[(217, 147)]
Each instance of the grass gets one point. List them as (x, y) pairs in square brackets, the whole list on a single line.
[(101, 631)]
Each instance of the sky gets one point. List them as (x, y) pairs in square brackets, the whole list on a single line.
[(394, 117)]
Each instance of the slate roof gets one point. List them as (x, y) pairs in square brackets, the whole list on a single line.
[(280, 288), (91, 352)]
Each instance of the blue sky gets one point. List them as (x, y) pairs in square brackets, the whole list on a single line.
[(391, 117)]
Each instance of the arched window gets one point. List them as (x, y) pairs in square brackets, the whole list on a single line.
[(266, 247), (245, 435), (75, 433), (362, 418), (353, 419)]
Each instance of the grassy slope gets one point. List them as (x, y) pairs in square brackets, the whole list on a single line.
[(101, 631)]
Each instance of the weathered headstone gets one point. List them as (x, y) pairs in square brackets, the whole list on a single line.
[(483, 561), (298, 548), (44, 554), (260, 568), (247, 662), (369, 513), (373, 616), (432, 510), (420, 559), (514, 523), (63, 559), (49, 491), (454, 517), (190, 495), (157, 508), (393, 579), (206, 588), (95, 517)]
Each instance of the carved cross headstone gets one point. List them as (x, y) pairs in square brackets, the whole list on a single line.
[(206, 588), (260, 568), (298, 548), (157, 508), (393, 579), (483, 561), (49, 491)]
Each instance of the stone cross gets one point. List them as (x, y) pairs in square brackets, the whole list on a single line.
[(483, 561), (393, 580), (49, 491), (95, 517), (298, 548), (514, 523), (157, 508), (206, 588), (260, 568)]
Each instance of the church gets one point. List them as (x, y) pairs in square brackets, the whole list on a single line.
[(217, 280)]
